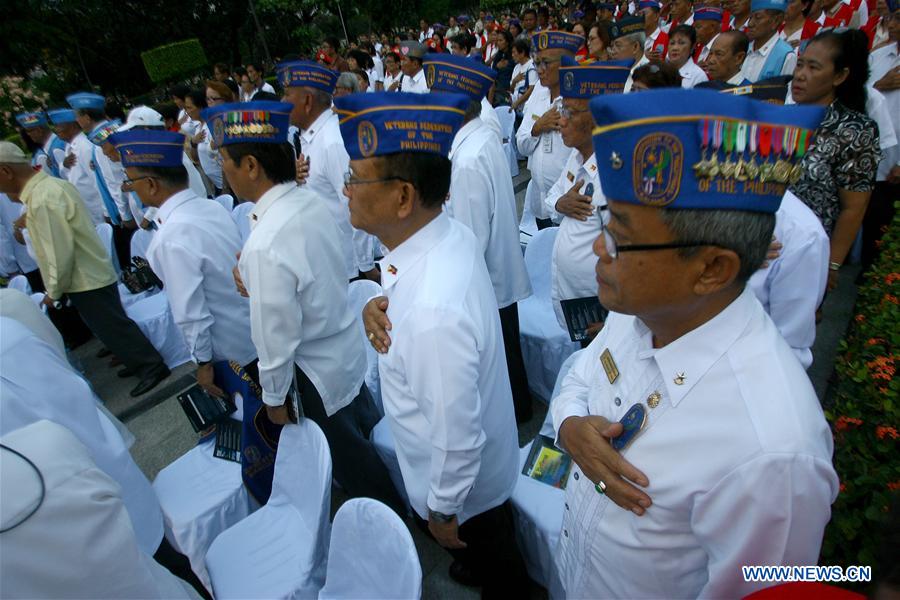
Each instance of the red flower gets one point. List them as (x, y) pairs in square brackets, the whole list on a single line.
[(891, 278), (893, 485), (882, 368), (874, 341), (843, 423), (891, 298), (883, 431), (860, 318)]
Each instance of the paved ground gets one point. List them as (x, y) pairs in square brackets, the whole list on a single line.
[(163, 434)]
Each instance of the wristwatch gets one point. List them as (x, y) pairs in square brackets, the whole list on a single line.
[(440, 517)]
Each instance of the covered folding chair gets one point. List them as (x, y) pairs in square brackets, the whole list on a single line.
[(154, 317), (226, 200), (507, 129), (383, 439), (538, 512), (281, 550), (105, 231), (240, 214), (201, 495), (545, 345), (20, 282), (372, 555), (140, 241), (360, 292)]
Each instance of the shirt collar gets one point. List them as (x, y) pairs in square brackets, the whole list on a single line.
[(173, 202), (686, 360), (307, 135), (266, 201), (463, 134), (401, 259), (25, 194), (767, 47), (418, 76)]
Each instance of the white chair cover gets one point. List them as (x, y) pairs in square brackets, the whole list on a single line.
[(372, 555), (383, 439), (105, 231), (360, 292), (280, 551), (140, 241), (507, 125), (29, 248), (226, 200), (545, 345), (154, 317), (201, 496), (20, 282), (242, 220)]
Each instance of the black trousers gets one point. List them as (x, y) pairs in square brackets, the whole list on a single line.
[(35, 281), (178, 565), (543, 223), (66, 320), (491, 552), (355, 461), (102, 312), (515, 364), (122, 244), (879, 214)]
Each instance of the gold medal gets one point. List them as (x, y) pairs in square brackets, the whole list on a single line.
[(765, 171), (740, 172), (712, 167), (796, 172), (728, 168), (653, 399), (752, 168)]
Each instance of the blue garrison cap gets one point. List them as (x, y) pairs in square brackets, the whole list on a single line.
[(58, 116), (694, 149), (149, 147), (626, 26), (31, 119), (708, 13), (593, 79), (460, 74), (260, 122), (391, 122), (304, 73), (102, 131), (549, 40), (893, 5), (86, 100), (649, 4), (779, 5)]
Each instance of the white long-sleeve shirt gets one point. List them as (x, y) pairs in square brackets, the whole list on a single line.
[(15, 255), (691, 74), (113, 174), (323, 146), (482, 198), (572, 268), (756, 60), (737, 453), (193, 253), (292, 267), (444, 380), (81, 175), (793, 285), (547, 154)]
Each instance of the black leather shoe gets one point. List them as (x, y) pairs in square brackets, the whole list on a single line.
[(150, 381), (127, 372), (463, 575), (103, 352)]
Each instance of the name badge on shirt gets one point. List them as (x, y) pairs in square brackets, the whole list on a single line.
[(632, 423), (609, 365), (547, 144)]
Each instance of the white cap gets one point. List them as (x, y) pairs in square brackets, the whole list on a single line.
[(11, 154), (142, 116)]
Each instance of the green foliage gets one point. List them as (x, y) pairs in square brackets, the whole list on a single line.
[(865, 415), (172, 61)]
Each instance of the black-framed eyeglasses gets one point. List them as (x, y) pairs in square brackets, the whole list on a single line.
[(613, 248), (351, 180), (543, 63), (130, 182)]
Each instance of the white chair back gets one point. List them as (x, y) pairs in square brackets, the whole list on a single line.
[(538, 256), (105, 231), (242, 220), (140, 241), (507, 131), (372, 554), (359, 292), (20, 282), (226, 200)]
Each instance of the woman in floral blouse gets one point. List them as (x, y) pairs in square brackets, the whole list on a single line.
[(839, 169)]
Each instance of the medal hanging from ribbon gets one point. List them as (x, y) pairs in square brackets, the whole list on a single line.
[(740, 145), (751, 167), (802, 146), (765, 146), (713, 163), (782, 170), (729, 167), (701, 167)]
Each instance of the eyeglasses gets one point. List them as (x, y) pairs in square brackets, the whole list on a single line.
[(613, 248), (130, 182), (567, 113), (543, 63), (351, 180)]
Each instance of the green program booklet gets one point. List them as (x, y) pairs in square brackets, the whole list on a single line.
[(547, 463)]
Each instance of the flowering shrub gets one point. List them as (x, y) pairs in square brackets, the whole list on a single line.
[(17, 96), (865, 414)]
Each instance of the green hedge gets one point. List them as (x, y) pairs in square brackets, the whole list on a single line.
[(173, 61), (865, 417)]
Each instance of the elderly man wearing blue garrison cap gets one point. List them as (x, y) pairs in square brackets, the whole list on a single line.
[(50, 151), (698, 440), (444, 379), (769, 55)]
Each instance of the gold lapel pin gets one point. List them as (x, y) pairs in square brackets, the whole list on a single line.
[(653, 399), (679, 379)]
